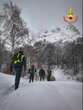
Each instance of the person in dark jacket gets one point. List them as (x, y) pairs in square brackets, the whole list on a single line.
[(32, 71), (49, 74), (18, 61), (42, 74)]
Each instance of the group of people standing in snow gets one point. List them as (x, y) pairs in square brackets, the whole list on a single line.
[(19, 61), (38, 74)]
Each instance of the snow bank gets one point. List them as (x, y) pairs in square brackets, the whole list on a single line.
[(60, 76)]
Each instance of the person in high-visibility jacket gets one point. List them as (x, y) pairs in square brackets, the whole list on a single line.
[(18, 61)]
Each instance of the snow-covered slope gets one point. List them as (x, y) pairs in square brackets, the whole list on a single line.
[(57, 95), (59, 75), (68, 33)]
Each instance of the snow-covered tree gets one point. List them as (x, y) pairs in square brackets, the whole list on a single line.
[(14, 33)]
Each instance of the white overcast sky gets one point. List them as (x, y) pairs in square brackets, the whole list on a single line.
[(47, 14)]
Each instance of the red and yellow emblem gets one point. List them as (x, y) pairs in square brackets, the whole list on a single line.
[(70, 18)]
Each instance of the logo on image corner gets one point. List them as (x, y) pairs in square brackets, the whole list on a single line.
[(70, 17)]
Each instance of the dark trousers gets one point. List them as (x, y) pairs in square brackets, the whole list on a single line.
[(42, 78), (18, 75), (31, 78), (49, 77)]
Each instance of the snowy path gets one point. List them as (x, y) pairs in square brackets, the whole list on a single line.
[(6, 88), (47, 96), (57, 95)]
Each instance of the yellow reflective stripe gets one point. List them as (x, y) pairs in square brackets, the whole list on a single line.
[(22, 58), (15, 62), (18, 61), (18, 55)]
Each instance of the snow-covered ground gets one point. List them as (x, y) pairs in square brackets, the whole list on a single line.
[(56, 95), (59, 75)]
